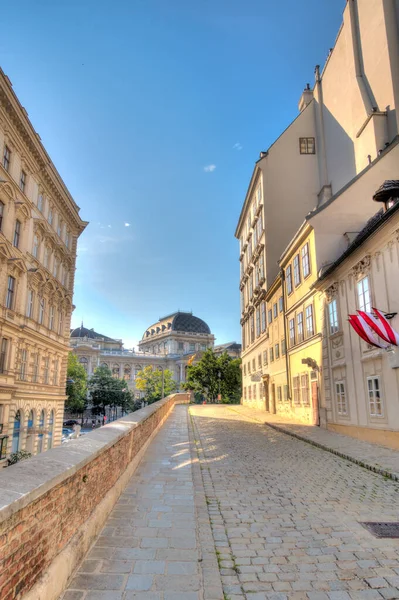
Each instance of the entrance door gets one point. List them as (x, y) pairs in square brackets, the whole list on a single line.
[(315, 403), (274, 399)]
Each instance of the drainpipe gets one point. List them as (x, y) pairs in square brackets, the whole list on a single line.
[(287, 359), (363, 88), (320, 104), (392, 33)]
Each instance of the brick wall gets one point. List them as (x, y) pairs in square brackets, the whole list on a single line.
[(51, 507)]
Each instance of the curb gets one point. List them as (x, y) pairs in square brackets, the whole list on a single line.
[(356, 461)]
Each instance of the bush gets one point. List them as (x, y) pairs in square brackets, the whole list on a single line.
[(18, 456)]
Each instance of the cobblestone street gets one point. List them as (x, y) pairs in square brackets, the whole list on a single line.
[(285, 515)]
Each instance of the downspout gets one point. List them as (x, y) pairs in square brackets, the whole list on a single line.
[(392, 33), (324, 170), (287, 359), (359, 71)]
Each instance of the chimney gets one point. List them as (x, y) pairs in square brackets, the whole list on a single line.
[(306, 98)]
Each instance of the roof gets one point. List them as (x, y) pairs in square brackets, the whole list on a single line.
[(178, 321), (83, 332), (374, 223), (228, 346)]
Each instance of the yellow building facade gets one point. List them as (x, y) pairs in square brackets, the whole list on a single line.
[(39, 228)]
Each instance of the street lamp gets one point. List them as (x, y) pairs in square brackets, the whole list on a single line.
[(219, 375)]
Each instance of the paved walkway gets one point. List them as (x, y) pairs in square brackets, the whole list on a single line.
[(285, 515), (225, 508), (373, 456), (155, 545)]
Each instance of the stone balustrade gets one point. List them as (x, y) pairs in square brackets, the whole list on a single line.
[(53, 505)]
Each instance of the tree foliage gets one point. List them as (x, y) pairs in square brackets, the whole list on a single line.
[(108, 391), (149, 381), (76, 387), (204, 377)]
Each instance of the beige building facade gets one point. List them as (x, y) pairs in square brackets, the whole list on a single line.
[(170, 343), (317, 193), (39, 228)]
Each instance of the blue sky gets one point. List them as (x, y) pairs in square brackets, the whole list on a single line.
[(154, 112)]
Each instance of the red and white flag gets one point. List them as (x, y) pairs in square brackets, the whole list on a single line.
[(390, 333), (364, 330)]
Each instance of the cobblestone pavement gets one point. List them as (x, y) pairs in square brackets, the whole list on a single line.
[(374, 456), (157, 543), (285, 515)]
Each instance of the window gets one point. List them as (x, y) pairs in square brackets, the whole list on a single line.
[(307, 145), (261, 390), (24, 360), (309, 320), (55, 375), (6, 158), (251, 324), (67, 239), (363, 294), (280, 304), (40, 437), (22, 181), (277, 351), (305, 261), (251, 287), (245, 369), (374, 391), (299, 326), (297, 271), (17, 233), (35, 250), (61, 324), (258, 322), (265, 357), (51, 318), (50, 430), (259, 225), (249, 392), (279, 394), (46, 257), (297, 391), (259, 361), (269, 316), (35, 372), (271, 355), (261, 268), (255, 237), (29, 304), (41, 310), (45, 369), (305, 389), (256, 275), (10, 292), (285, 393), (253, 365), (288, 276), (275, 312), (249, 251), (263, 316), (50, 216), (254, 389), (292, 332), (192, 347), (55, 268), (59, 226), (203, 347), (283, 348), (249, 367), (40, 202), (1, 215), (16, 432), (245, 393), (340, 397), (333, 316), (3, 355)]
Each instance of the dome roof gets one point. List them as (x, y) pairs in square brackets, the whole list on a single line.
[(179, 321), (83, 332)]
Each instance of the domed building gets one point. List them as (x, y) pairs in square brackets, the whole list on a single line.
[(167, 344)]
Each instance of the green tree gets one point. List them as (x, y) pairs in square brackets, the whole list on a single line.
[(213, 375), (109, 392), (149, 381), (76, 386)]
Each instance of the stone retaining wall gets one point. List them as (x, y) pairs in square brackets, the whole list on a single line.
[(53, 505)]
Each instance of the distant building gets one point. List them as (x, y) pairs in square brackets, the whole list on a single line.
[(168, 344), (39, 229), (232, 348)]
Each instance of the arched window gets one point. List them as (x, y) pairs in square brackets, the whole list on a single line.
[(137, 370), (127, 371), (16, 433), (104, 365), (41, 433), (50, 430), (115, 370), (30, 435), (84, 362)]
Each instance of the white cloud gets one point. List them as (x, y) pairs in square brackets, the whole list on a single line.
[(237, 146), (109, 226), (127, 224), (209, 168)]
